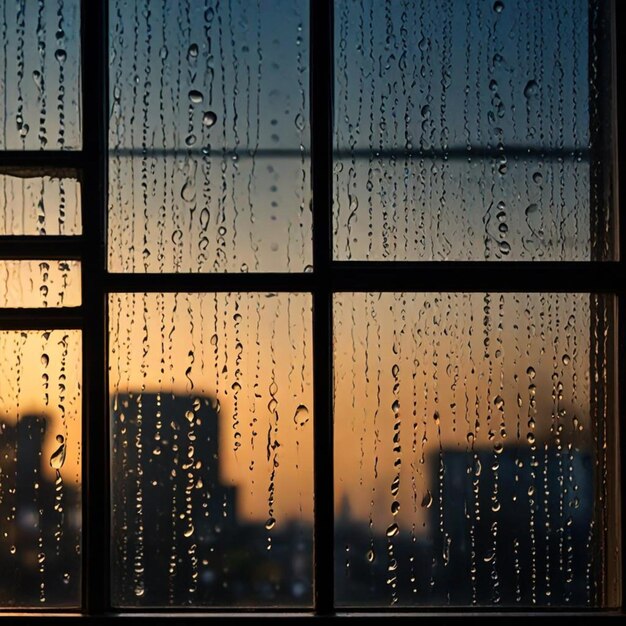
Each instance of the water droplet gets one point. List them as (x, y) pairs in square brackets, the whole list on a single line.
[(190, 140), (566, 359), (498, 6), (531, 89), (427, 499), (531, 372), (196, 96), (392, 530), (395, 507), (301, 416), (58, 456), (370, 556), (192, 50), (300, 122), (537, 178), (498, 402), (60, 55), (209, 118), (270, 523), (45, 359)]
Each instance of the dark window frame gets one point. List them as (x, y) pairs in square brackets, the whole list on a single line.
[(328, 277)]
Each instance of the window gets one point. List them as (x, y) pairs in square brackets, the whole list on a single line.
[(309, 307)]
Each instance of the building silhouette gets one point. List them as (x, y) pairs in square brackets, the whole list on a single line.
[(512, 526), (507, 527), (40, 522), (178, 537)]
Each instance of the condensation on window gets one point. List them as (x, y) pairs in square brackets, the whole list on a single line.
[(40, 468), (40, 75), (472, 437), (39, 204), (40, 283), (209, 136), (212, 452), (462, 131)]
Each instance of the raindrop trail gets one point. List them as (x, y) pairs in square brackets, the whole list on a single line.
[(60, 55)]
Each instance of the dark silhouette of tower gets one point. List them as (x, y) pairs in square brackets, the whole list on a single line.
[(39, 522), (170, 507)]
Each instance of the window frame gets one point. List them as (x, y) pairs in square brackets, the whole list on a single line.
[(327, 278)]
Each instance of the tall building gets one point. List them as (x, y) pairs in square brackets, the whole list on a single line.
[(40, 521)]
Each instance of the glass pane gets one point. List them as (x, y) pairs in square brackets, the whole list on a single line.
[(40, 468), (471, 449), (39, 205), (209, 136), (39, 283), (40, 75), (463, 131), (211, 429)]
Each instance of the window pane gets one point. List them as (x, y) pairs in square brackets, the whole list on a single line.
[(40, 75), (463, 131), (39, 283), (212, 449), (40, 468), (472, 443), (32, 204), (209, 136)]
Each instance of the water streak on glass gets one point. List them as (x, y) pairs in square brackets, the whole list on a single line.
[(39, 283), (40, 468), (209, 136), (32, 204), (462, 131), (471, 449), (40, 75), (212, 455)]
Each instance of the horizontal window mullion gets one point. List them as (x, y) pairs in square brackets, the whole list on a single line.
[(41, 319), (392, 276), (476, 276), (44, 247), (168, 282), (49, 160)]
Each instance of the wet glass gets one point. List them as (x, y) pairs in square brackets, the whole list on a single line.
[(472, 441), (40, 468), (35, 203), (40, 105), (41, 283), (209, 136), (463, 132), (212, 451)]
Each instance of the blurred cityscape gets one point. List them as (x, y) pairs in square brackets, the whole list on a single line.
[(512, 526), (40, 521)]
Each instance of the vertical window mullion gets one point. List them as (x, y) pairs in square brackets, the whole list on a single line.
[(321, 81), (604, 232), (96, 558), (617, 78)]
